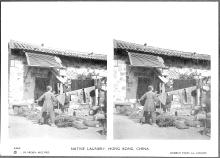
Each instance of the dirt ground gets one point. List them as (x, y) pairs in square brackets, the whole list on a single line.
[(125, 128), (22, 128)]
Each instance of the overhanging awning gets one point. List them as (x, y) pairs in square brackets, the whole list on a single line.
[(145, 60), (42, 60)]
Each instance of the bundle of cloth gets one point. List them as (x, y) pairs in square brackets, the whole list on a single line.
[(165, 120), (79, 125), (180, 124), (63, 121)]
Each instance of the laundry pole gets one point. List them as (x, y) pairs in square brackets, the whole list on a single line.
[(160, 87)]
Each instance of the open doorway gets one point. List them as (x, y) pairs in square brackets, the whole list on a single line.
[(40, 86), (143, 83)]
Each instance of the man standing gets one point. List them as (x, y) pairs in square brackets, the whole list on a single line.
[(149, 106), (48, 105)]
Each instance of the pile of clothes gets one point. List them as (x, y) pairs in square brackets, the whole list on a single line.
[(63, 121), (180, 122), (164, 120), (82, 120), (82, 111), (91, 123)]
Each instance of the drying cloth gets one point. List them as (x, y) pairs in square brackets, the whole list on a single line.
[(61, 98), (184, 95), (61, 88), (163, 88), (163, 97), (84, 96), (96, 96)]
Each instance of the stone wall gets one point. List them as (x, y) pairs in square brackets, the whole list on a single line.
[(188, 70), (185, 63), (132, 84), (73, 72), (29, 84), (119, 76), (84, 67), (16, 79)]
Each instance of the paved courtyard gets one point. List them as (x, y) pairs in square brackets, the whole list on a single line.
[(125, 128), (22, 128)]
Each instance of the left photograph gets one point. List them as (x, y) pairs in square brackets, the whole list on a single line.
[(56, 93)]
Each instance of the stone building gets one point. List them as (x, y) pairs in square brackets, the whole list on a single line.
[(137, 66), (32, 68)]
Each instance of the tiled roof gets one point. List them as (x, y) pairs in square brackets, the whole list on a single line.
[(118, 44), (42, 60), (145, 60), (30, 47)]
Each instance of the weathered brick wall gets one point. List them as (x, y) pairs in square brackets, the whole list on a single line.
[(187, 70), (132, 84), (119, 76), (79, 66), (29, 84), (73, 72), (16, 79), (185, 63)]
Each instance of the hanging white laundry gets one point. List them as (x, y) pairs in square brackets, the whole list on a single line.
[(61, 88), (163, 97), (96, 96)]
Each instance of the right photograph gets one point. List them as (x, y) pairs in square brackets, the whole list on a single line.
[(160, 93)]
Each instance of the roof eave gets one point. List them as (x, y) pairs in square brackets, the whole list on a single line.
[(139, 51), (75, 56)]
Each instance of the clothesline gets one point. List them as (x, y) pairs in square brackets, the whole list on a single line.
[(180, 90), (163, 96)]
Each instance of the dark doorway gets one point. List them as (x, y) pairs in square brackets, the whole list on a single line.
[(143, 84), (40, 86)]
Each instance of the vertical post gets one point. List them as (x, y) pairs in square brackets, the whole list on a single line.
[(95, 89), (154, 80), (198, 93), (160, 89)]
